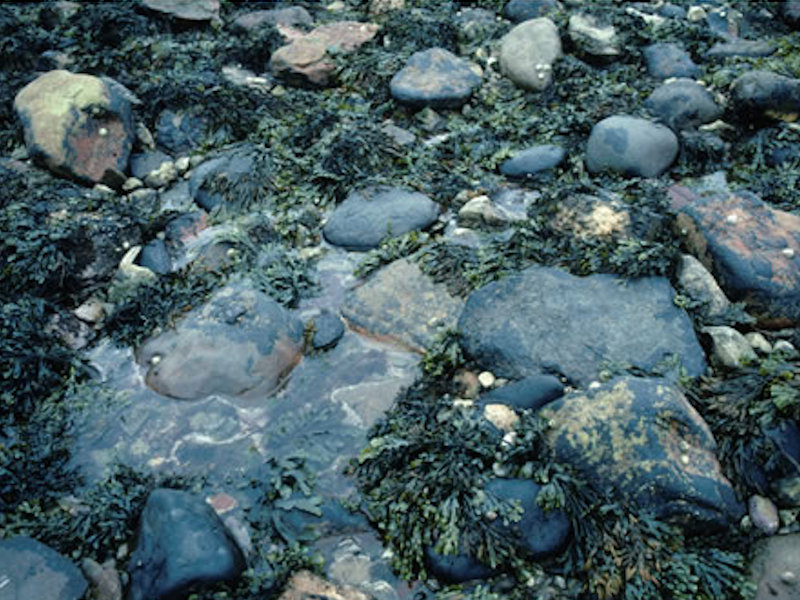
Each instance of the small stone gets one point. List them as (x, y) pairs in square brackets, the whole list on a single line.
[(764, 514), (182, 164), (766, 94), (292, 16), (188, 10), (528, 51), (730, 348), (131, 184), (163, 176), (380, 7), (683, 104), (696, 14), (328, 329), (91, 311), (486, 379), (482, 211), (222, 503), (746, 48), (789, 578), (532, 161), (784, 347), (436, 78), (304, 585), (758, 342), (524, 10), (467, 381)]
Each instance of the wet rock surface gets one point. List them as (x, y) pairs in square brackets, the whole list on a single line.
[(29, 570), (508, 325)]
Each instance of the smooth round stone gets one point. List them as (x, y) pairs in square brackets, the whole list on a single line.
[(533, 160), (632, 146), (669, 60), (528, 51), (436, 78), (683, 104)]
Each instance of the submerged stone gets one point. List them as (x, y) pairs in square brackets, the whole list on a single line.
[(436, 78), (241, 343), (30, 570), (642, 441), (546, 320)]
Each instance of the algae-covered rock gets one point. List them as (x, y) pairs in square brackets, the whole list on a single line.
[(76, 124), (641, 440)]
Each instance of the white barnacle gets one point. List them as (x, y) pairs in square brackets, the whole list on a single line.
[(788, 252), (155, 359), (103, 132)]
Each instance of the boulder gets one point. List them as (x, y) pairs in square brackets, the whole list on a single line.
[(752, 249), (546, 320), (528, 51), (683, 104), (436, 78), (77, 125), (29, 570), (370, 215), (188, 10), (631, 146), (641, 440), (533, 160), (402, 304), (182, 545), (665, 60), (240, 343), (766, 94)]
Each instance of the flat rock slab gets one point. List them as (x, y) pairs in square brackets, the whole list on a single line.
[(188, 10), (29, 570), (368, 216), (642, 439), (436, 78), (752, 249), (631, 146), (546, 320), (182, 544), (528, 51), (402, 304), (77, 125), (241, 343)]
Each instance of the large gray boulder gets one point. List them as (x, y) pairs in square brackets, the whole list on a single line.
[(631, 146), (546, 320)]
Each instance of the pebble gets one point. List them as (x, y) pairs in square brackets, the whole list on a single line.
[(683, 104), (486, 379), (785, 347), (699, 284), (764, 514), (533, 160)]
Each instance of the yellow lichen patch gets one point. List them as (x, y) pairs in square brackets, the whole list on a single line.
[(501, 416)]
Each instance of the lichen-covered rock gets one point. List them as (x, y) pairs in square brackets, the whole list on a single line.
[(182, 544), (77, 125), (240, 343), (368, 216), (752, 249), (641, 440), (766, 94), (528, 51), (435, 77), (546, 320), (402, 304), (188, 10), (29, 570), (683, 104), (631, 146)]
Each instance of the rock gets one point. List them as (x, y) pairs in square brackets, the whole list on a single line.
[(642, 441), (229, 169), (766, 94), (402, 304), (592, 38), (182, 544), (188, 10), (368, 216), (328, 329), (179, 132), (436, 78), (730, 348), (143, 164), (540, 533), (776, 568), (666, 60), (791, 12), (291, 16), (29, 570), (752, 249), (304, 585), (163, 176), (787, 491), (308, 60), (241, 342), (508, 326), (486, 379), (530, 393), (400, 136), (672, 11), (528, 51), (480, 210), (683, 104), (632, 146), (764, 514), (155, 256), (533, 160), (696, 282), (758, 342), (77, 125), (456, 568), (749, 48), (524, 10), (785, 347), (105, 579), (501, 416)]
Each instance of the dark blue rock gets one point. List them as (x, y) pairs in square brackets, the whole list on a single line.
[(182, 545), (29, 570), (524, 10), (632, 146), (540, 533), (544, 320), (669, 60), (436, 78), (529, 393), (154, 256), (232, 167), (757, 93), (456, 568), (143, 164), (683, 104), (368, 216), (179, 133), (747, 48), (533, 160), (328, 329)]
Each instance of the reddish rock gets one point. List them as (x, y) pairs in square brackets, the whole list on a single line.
[(188, 10), (752, 249), (77, 125)]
